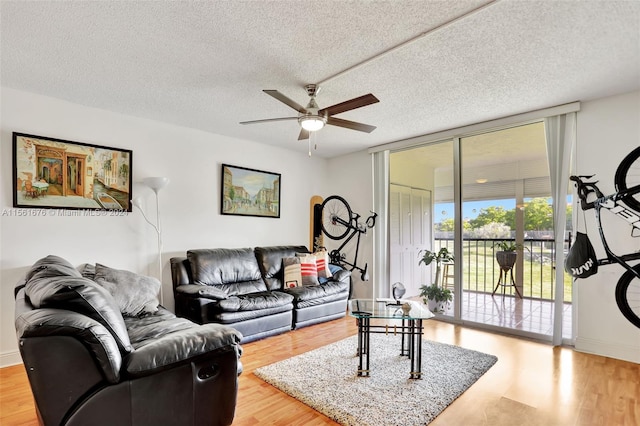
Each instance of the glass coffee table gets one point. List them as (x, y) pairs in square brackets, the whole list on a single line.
[(410, 329)]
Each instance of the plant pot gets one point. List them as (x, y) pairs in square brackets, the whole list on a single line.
[(436, 307), (506, 259)]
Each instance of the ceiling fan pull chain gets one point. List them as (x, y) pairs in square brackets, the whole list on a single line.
[(309, 142)]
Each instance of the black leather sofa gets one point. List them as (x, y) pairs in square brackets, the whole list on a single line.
[(244, 288), (89, 365)]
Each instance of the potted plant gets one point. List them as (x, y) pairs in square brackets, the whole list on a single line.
[(436, 298), (507, 255), (442, 255)]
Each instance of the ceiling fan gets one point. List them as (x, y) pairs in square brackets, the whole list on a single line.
[(311, 118)]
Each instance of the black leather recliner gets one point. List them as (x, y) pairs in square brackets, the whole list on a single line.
[(244, 288), (89, 365)]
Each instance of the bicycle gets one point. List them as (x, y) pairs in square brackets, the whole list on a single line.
[(337, 221), (627, 184)]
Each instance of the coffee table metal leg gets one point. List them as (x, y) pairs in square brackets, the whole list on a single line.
[(405, 340), (363, 347), (416, 347)]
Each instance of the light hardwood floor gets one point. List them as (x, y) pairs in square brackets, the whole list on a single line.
[(531, 384)]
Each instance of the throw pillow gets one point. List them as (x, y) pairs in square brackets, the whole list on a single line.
[(308, 269), (322, 264), (135, 294), (292, 272)]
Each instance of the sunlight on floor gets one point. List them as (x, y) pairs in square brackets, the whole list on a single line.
[(529, 315)]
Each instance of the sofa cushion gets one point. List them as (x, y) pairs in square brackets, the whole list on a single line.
[(72, 292), (255, 301), (161, 339), (143, 330), (235, 271), (306, 293), (135, 294), (270, 262)]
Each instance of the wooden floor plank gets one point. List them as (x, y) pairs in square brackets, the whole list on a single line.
[(531, 384)]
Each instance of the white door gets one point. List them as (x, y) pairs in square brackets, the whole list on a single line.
[(409, 232)]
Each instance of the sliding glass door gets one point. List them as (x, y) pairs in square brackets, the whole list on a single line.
[(420, 180), (489, 193)]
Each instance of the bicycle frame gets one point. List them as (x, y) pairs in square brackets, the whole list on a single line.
[(336, 255), (355, 257), (610, 202)]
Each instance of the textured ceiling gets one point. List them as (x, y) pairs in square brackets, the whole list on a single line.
[(204, 64)]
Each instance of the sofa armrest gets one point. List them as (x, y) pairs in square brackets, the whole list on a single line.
[(199, 290), (180, 271), (179, 347), (91, 334), (342, 275)]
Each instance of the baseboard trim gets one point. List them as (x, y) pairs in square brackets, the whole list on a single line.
[(608, 349), (8, 359)]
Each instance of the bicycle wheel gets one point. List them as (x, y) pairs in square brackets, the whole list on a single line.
[(628, 176), (628, 296), (336, 216)]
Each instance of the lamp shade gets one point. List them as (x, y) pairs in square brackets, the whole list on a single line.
[(156, 183)]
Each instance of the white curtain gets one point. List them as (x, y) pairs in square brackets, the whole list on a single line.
[(380, 280), (560, 132)]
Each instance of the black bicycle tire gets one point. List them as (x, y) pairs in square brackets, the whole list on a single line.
[(622, 298), (332, 230), (621, 179)]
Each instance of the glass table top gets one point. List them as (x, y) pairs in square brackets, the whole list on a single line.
[(388, 308)]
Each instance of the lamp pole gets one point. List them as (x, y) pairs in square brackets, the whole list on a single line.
[(156, 184)]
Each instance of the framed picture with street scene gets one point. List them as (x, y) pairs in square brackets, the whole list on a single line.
[(56, 173), (249, 192)]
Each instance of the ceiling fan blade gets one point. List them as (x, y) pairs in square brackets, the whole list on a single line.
[(350, 125), (304, 134), (285, 100), (266, 120), (349, 105)]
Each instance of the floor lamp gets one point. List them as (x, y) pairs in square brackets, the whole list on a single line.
[(156, 184)]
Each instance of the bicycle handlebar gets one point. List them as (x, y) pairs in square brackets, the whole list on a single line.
[(586, 188)]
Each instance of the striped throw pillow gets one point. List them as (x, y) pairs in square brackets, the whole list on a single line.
[(322, 264), (309, 270)]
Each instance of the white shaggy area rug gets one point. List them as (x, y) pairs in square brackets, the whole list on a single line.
[(326, 380)]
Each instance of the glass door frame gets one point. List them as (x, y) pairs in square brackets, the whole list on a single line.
[(380, 168)]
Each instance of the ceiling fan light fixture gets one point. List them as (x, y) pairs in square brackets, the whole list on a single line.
[(312, 123)]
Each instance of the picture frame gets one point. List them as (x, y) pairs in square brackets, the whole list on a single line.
[(61, 174), (249, 192)]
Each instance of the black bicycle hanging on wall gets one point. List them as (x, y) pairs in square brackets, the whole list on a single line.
[(337, 221), (627, 184)]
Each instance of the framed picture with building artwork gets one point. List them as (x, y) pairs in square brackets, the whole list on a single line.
[(249, 192), (56, 173)]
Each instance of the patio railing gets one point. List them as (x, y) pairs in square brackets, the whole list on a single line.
[(480, 270)]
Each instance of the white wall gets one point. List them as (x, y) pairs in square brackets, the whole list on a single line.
[(350, 176), (189, 205), (608, 129)]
